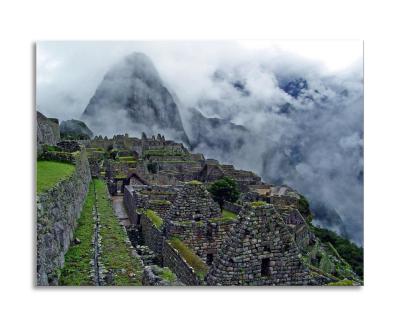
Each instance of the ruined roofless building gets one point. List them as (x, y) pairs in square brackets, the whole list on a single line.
[(193, 203), (259, 250)]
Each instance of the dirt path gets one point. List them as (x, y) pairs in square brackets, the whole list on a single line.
[(120, 211)]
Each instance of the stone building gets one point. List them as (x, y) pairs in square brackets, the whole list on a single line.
[(259, 250)]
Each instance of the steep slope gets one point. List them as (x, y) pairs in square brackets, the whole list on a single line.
[(133, 98), (75, 129)]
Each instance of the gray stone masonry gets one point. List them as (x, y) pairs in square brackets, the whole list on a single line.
[(259, 250), (57, 212)]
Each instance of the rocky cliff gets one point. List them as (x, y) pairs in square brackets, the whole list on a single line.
[(48, 131)]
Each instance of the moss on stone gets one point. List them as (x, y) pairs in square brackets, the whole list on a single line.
[(255, 204), (155, 218), (199, 267), (159, 202), (342, 283), (194, 182)]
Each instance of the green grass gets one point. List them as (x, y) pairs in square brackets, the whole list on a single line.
[(49, 173), (342, 283), (255, 204), (128, 159), (154, 218), (168, 275), (227, 216), (194, 182), (116, 255), (77, 267), (121, 176), (191, 258)]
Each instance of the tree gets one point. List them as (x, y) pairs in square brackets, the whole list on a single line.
[(224, 189)]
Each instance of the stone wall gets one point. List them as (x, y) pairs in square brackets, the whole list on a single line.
[(178, 265), (193, 202), (205, 239), (152, 237), (57, 212), (235, 208), (259, 250)]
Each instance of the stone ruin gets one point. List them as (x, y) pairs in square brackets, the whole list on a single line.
[(193, 203), (259, 250)]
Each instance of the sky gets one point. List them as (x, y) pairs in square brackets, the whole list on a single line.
[(317, 148)]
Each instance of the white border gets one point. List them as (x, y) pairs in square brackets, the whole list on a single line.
[(24, 22)]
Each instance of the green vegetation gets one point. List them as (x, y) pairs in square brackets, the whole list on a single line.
[(255, 204), (304, 208), (116, 254), (342, 283), (152, 167), (154, 218), (49, 173), (168, 275), (200, 268), (227, 216), (121, 176), (347, 250), (194, 182), (159, 202), (127, 159), (224, 189), (77, 266), (51, 148), (189, 222)]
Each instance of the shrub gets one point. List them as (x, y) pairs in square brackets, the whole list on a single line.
[(225, 189), (351, 253)]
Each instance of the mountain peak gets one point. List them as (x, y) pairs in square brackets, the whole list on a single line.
[(134, 96)]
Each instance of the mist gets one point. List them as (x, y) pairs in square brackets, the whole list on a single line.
[(304, 121)]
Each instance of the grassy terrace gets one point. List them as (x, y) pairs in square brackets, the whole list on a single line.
[(154, 218), (77, 267), (49, 173), (200, 268), (227, 216), (116, 255)]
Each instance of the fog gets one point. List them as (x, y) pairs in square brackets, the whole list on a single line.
[(305, 120)]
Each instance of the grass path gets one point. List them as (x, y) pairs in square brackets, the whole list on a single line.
[(115, 256)]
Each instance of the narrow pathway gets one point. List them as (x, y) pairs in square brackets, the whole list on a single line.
[(96, 241), (120, 211)]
